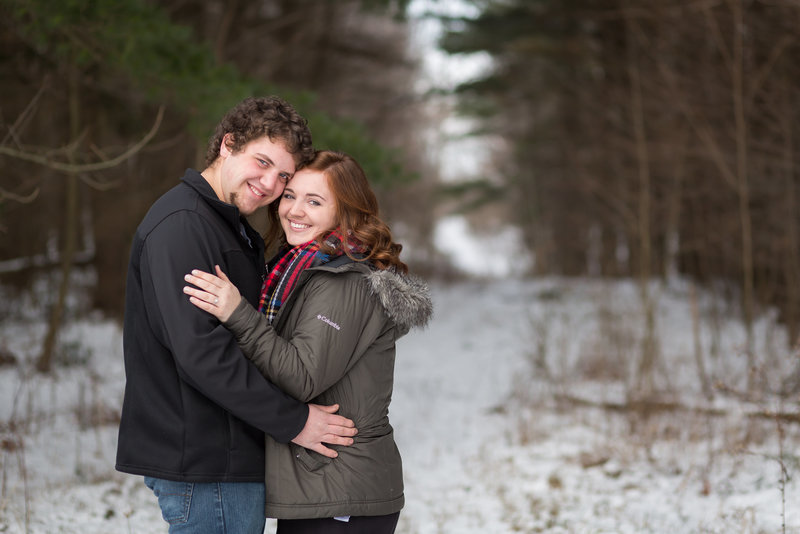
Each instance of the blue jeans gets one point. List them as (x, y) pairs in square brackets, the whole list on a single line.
[(210, 507)]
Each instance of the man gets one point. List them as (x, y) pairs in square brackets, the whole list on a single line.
[(195, 409)]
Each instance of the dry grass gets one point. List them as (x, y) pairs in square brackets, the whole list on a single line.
[(657, 430)]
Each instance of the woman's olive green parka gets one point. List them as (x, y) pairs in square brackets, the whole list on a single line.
[(333, 342)]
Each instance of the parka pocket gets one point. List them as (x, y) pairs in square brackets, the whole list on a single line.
[(311, 460)]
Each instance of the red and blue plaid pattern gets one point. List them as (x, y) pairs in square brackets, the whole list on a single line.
[(283, 277)]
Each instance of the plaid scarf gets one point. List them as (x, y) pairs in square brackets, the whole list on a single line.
[(284, 275)]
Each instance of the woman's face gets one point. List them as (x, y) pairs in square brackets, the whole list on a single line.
[(307, 208)]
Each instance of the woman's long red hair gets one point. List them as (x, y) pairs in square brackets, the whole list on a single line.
[(357, 210)]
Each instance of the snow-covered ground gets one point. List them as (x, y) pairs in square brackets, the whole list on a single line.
[(512, 411)]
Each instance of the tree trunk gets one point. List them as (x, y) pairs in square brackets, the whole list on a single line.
[(743, 189), (70, 237), (645, 381)]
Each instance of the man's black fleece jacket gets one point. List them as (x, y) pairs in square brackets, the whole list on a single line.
[(195, 409)]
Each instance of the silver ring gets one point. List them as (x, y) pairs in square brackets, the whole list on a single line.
[(216, 300)]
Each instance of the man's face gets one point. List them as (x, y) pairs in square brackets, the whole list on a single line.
[(255, 176)]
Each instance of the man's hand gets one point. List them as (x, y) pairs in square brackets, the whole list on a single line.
[(324, 426)]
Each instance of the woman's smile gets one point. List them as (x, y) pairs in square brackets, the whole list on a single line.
[(307, 209)]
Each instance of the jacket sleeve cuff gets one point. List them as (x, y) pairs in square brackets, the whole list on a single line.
[(239, 318), (296, 431)]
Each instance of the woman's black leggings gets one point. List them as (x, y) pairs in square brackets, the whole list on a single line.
[(379, 524)]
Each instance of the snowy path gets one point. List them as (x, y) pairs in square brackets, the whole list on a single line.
[(475, 460), (450, 381), (450, 378)]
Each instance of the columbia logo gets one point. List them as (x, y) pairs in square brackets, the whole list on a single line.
[(328, 321)]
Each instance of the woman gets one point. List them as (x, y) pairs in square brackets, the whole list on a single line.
[(336, 300)]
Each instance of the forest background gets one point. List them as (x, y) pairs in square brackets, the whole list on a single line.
[(623, 139)]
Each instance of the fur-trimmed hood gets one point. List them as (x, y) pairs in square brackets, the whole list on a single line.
[(406, 298)]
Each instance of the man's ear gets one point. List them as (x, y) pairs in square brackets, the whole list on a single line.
[(224, 149)]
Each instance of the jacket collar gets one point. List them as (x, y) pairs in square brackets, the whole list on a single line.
[(228, 212)]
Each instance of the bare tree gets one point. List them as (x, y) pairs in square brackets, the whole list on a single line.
[(73, 172)]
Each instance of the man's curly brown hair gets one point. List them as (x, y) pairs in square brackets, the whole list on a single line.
[(254, 118)]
